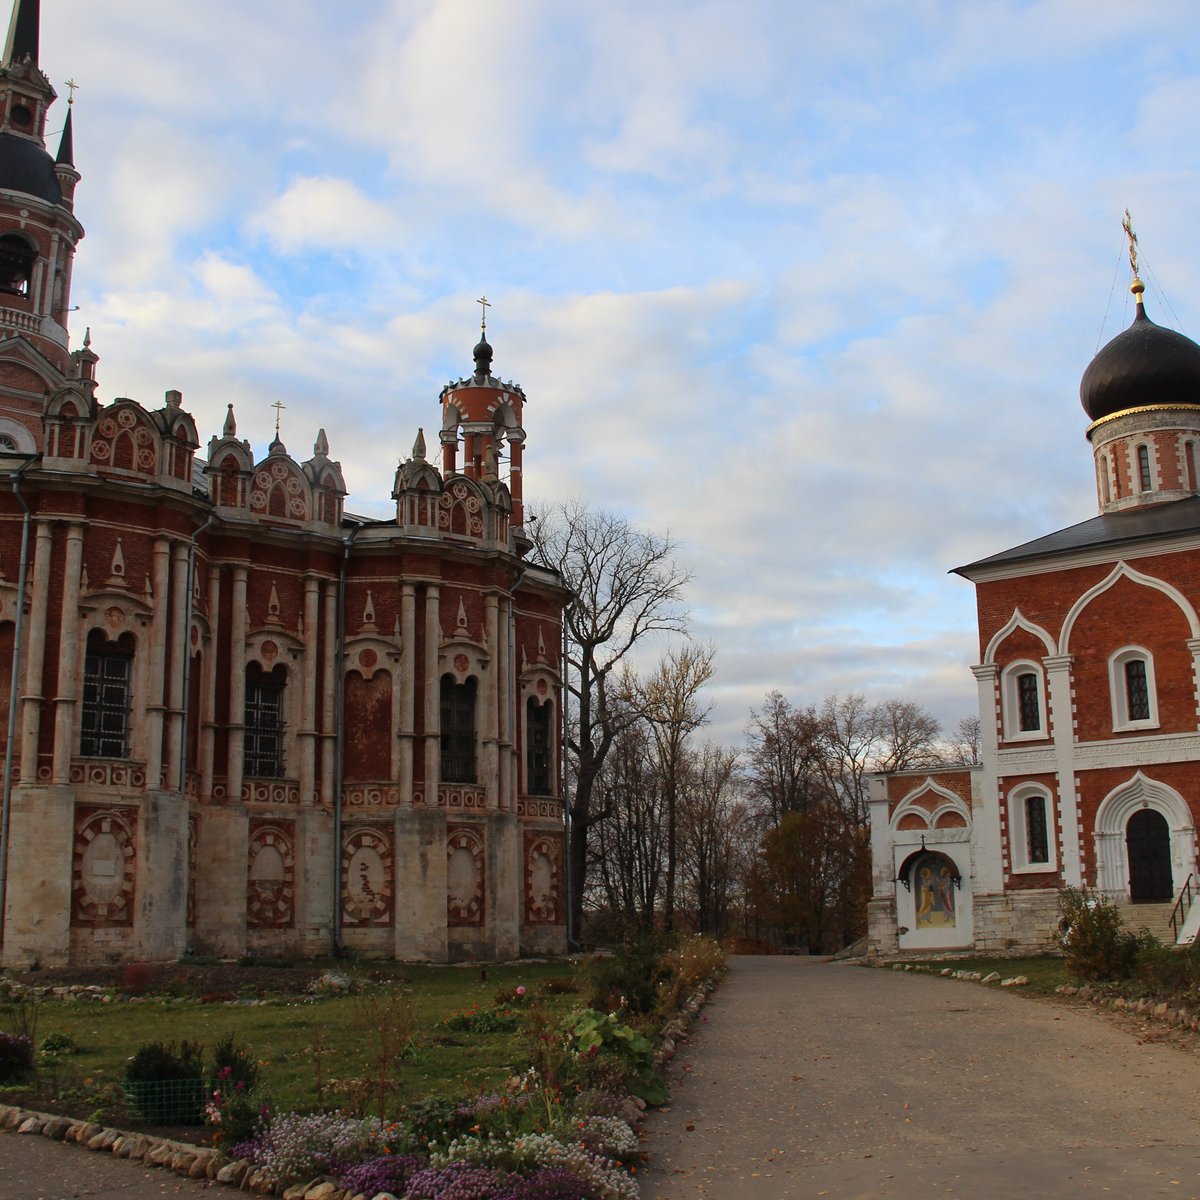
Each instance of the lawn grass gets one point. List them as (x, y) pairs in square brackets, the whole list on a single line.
[(282, 1034), (1044, 972)]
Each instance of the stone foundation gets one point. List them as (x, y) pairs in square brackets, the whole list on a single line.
[(1017, 923)]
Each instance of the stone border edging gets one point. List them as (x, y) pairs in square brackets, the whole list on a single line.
[(1159, 1010), (205, 1162)]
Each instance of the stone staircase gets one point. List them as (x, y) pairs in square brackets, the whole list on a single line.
[(1154, 917)]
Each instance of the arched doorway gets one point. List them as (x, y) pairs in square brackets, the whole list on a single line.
[(1148, 846)]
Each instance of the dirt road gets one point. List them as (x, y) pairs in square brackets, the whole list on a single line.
[(811, 1079)]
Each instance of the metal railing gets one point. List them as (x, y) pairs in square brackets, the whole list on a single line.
[(1180, 911)]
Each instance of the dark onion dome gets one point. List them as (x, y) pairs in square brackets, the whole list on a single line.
[(483, 356), (27, 167), (1145, 365)]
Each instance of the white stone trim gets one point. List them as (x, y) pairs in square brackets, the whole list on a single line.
[(1119, 691), (1139, 791), (1018, 840), (1010, 695), (1123, 571), (1017, 621)]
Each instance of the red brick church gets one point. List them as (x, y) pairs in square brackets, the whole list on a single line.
[(236, 718), (1089, 695)]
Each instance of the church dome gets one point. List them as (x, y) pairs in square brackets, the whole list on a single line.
[(27, 167), (1142, 366)]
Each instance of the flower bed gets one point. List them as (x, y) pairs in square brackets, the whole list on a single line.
[(565, 1128)]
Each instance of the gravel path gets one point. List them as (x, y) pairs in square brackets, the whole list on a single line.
[(35, 1168), (811, 1079)]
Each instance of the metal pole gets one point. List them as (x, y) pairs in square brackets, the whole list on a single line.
[(14, 683), (187, 655)]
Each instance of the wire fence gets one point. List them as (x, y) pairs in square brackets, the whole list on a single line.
[(167, 1101)]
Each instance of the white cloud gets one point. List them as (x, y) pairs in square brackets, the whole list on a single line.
[(326, 213), (810, 288)]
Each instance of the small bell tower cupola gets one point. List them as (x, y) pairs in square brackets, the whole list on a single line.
[(1142, 395), (38, 228), (482, 419)]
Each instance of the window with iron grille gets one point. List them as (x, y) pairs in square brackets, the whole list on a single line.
[(104, 726), (458, 730), (1137, 691), (263, 746), (1037, 842), (537, 748), (1029, 702)]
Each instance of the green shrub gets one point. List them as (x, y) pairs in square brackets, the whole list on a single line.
[(16, 1057), (1163, 969), (592, 1033), (59, 1043), (165, 1083), (632, 977), (1095, 947)]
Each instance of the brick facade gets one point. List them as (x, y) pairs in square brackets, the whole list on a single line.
[(1089, 703), (245, 721)]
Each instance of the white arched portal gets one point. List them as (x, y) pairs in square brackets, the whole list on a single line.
[(1112, 817)]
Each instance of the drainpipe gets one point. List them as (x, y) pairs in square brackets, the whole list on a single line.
[(339, 736), (13, 688), (187, 651), (564, 774)]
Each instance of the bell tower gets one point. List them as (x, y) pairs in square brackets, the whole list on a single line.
[(38, 235), (481, 415)]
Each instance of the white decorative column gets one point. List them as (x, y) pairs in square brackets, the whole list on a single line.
[(308, 702), (208, 685), (489, 695), (235, 768), (433, 694), (159, 628), (66, 700), (180, 649), (35, 661), (986, 857), (1058, 683), (333, 677), (506, 696), (408, 689)]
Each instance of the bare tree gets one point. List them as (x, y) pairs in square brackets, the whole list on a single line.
[(809, 769), (627, 588), (628, 844), (965, 746), (718, 836), (861, 738), (668, 700), (784, 755)]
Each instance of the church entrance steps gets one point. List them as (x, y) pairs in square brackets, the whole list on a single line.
[(1154, 917)]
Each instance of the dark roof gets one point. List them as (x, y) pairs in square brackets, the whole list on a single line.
[(27, 167), (1143, 365), (23, 30), (1109, 529), (66, 144)]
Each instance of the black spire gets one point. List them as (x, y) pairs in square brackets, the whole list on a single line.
[(66, 145), (23, 32)]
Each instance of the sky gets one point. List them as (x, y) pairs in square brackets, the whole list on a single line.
[(807, 287)]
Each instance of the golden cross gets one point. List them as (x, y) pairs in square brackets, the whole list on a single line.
[(72, 87), (278, 406), (484, 304), (1127, 225)]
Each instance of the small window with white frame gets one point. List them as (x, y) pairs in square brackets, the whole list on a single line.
[(1145, 473), (1131, 684), (1031, 841), (1024, 701)]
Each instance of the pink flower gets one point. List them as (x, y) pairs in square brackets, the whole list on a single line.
[(520, 989)]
